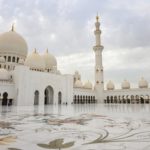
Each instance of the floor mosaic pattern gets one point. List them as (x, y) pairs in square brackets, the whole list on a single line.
[(76, 127)]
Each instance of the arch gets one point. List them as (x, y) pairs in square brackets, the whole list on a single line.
[(132, 98), (137, 98), (89, 99), (5, 99), (17, 59), (147, 99), (75, 98), (59, 97), (123, 99), (36, 97), (49, 95), (107, 99), (83, 99), (142, 99), (115, 99), (86, 99), (128, 99)]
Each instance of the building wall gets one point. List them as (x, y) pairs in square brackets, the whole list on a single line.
[(133, 95), (28, 81), (82, 95)]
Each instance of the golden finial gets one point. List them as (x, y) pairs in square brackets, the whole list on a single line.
[(47, 50), (97, 17), (12, 27), (34, 50)]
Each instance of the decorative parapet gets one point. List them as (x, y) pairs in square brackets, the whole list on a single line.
[(6, 81)]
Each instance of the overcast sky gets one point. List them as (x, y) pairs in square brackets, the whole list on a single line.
[(66, 28)]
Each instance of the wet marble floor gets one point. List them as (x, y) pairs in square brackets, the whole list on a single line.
[(76, 127)]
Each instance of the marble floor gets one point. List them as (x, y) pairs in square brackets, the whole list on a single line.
[(76, 127)]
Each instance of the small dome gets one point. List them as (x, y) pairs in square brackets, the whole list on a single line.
[(13, 43), (88, 85), (4, 74), (77, 76), (78, 84), (35, 61), (50, 60), (21, 61), (2, 60), (110, 85), (143, 83), (125, 85)]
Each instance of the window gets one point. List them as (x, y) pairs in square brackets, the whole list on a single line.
[(13, 59), (17, 59), (9, 59)]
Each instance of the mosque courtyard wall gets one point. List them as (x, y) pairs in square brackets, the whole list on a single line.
[(135, 95), (29, 82)]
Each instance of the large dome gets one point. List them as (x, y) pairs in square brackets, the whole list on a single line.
[(13, 43), (50, 60), (35, 61)]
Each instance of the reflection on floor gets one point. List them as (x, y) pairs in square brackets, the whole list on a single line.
[(75, 127)]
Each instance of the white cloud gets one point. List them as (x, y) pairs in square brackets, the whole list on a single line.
[(82, 62)]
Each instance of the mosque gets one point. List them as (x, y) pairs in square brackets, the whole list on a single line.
[(34, 79)]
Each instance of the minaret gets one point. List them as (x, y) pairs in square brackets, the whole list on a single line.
[(98, 48)]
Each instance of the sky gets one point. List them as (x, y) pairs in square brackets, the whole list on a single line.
[(66, 28)]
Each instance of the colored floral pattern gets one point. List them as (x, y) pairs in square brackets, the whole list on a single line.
[(89, 129)]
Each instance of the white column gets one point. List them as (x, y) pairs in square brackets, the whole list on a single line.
[(99, 83)]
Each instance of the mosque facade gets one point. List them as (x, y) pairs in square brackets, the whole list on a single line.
[(34, 79)]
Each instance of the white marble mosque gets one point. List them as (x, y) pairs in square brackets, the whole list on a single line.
[(93, 119), (34, 79)]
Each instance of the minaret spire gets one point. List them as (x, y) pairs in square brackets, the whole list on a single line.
[(97, 18), (12, 27), (98, 48), (47, 50), (97, 32)]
